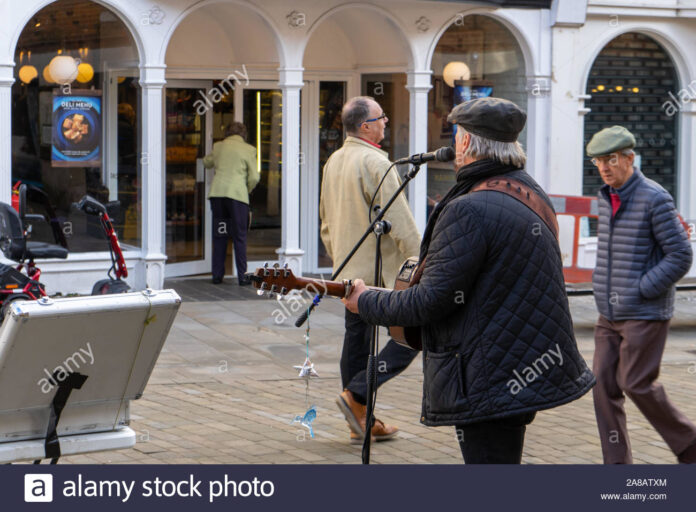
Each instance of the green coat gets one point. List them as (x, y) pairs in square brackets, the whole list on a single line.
[(236, 173)]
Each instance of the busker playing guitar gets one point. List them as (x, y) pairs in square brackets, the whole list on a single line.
[(491, 306)]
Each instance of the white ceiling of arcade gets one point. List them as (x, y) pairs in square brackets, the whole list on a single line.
[(358, 37), (221, 35)]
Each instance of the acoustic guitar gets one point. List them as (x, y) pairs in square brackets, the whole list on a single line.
[(279, 281)]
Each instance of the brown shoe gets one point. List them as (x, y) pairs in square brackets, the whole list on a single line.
[(356, 415), (382, 431), (353, 411), (358, 438)]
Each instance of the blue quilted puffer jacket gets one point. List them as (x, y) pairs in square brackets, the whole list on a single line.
[(497, 333), (642, 252)]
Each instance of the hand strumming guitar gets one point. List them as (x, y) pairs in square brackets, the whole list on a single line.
[(351, 302)]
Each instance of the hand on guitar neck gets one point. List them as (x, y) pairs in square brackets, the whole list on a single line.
[(351, 301), (280, 281)]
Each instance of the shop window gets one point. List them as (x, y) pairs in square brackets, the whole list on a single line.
[(389, 90), (78, 132), (493, 65), (630, 84)]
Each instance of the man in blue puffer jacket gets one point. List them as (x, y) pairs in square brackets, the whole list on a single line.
[(643, 251)]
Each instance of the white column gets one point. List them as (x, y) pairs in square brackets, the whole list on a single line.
[(153, 179), (418, 85), (291, 82), (6, 81), (538, 122)]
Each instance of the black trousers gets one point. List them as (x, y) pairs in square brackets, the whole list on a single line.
[(230, 220), (391, 360), (494, 442)]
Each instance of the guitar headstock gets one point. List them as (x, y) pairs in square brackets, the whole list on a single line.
[(274, 280)]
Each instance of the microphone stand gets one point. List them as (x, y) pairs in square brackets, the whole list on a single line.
[(383, 228)]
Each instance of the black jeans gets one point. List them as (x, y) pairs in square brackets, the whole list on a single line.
[(495, 441), (230, 220), (391, 360)]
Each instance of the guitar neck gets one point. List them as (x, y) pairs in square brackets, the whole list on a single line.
[(332, 288)]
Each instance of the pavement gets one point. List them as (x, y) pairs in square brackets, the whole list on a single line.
[(224, 390)]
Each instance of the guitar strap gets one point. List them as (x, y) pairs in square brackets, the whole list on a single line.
[(519, 191), (524, 195)]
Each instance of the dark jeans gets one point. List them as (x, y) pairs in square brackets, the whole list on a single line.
[(391, 360), (230, 220), (494, 442)]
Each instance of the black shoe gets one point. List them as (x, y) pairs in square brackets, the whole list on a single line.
[(245, 281), (217, 280)]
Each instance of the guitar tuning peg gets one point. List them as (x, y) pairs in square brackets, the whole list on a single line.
[(283, 291), (263, 286), (274, 288), (285, 265), (276, 265), (265, 264), (259, 293)]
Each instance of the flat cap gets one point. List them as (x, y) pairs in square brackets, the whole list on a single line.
[(609, 140), (492, 118)]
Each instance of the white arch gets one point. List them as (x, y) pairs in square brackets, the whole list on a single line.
[(668, 45), (327, 14), (509, 24), (280, 48), (111, 5)]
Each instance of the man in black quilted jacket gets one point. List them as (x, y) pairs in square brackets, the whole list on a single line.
[(642, 252), (498, 341)]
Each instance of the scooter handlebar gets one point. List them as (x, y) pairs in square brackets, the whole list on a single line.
[(90, 205)]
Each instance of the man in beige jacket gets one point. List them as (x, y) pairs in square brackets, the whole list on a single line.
[(351, 177)]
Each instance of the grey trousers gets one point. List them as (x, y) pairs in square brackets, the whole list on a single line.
[(627, 362)]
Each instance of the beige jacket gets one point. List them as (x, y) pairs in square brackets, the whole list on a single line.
[(351, 176)]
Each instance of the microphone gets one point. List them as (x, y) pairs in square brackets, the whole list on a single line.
[(444, 154)]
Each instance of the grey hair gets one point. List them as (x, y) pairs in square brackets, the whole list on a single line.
[(510, 153), (355, 111), (627, 152)]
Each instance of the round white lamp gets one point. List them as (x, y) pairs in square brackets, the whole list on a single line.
[(63, 69), (456, 70)]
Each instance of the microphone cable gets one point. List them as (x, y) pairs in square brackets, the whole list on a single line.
[(374, 196)]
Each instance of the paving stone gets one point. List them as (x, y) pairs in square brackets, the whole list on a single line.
[(224, 391)]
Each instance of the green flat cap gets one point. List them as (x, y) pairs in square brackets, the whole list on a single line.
[(609, 140)]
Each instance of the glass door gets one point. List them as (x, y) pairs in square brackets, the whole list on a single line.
[(262, 116), (187, 218), (332, 96)]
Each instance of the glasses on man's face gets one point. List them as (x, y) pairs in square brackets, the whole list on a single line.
[(611, 159), (383, 116)]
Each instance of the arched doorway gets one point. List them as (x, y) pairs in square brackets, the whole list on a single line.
[(496, 67), (78, 133), (351, 51), (629, 83), (222, 67)]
